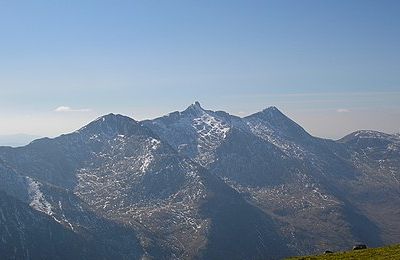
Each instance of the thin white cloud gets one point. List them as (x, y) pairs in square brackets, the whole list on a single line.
[(324, 94), (69, 109), (343, 110)]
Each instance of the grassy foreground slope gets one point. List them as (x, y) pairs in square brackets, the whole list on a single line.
[(389, 252)]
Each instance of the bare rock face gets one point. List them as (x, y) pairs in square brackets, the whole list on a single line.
[(197, 184)]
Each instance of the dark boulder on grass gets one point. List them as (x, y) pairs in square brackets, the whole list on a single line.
[(359, 247)]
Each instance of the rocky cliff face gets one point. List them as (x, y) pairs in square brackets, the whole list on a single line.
[(198, 184)]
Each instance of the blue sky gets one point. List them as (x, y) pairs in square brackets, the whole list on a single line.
[(333, 66)]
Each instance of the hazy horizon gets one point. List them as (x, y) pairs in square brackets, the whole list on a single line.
[(19, 139)]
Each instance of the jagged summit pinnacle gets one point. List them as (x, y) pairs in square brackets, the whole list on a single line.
[(196, 105), (194, 109)]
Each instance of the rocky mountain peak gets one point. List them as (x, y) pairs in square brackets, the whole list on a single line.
[(194, 109), (272, 109), (111, 125), (273, 112), (196, 104), (278, 122)]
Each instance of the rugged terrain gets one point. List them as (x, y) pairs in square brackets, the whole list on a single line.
[(198, 184)]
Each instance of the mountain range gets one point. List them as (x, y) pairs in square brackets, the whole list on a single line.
[(197, 184)]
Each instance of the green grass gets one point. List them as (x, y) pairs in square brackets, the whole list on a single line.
[(389, 252)]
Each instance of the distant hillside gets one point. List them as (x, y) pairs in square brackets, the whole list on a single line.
[(389, 252), (16, 139)]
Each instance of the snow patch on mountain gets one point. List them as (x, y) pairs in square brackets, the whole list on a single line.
[(195, 132), (38, 201), (146, 159), (210, 134)]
